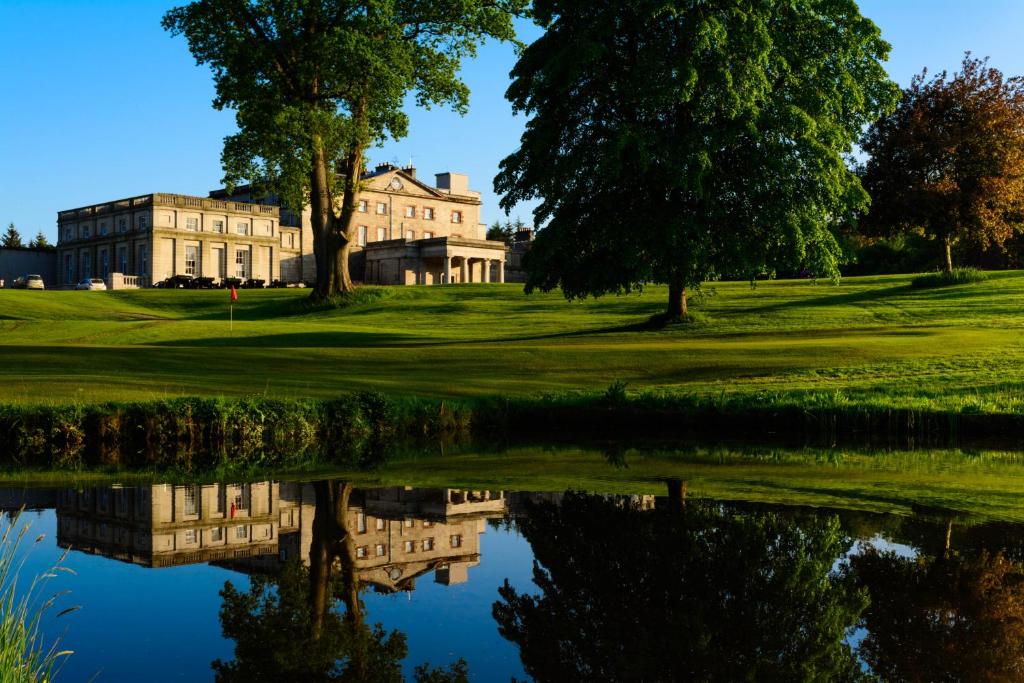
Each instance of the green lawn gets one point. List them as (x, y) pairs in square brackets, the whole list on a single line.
[(872, 340), (976, 486)]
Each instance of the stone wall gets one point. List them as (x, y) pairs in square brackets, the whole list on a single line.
[(15, 262)]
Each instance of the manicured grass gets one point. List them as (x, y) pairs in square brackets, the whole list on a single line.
[(874, 341), (975, 486)]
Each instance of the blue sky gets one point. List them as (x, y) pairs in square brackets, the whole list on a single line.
[(99, 103)]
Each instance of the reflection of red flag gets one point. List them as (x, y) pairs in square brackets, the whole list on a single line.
[(234, 294), (232, 505)]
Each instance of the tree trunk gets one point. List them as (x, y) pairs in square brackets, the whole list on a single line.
[(334, 233), (332, 539), (676, 303), (321, 557), (676, 494), (346, 549), (326, 246), (948, 244)]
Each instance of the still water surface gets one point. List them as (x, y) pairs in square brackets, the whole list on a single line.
[(285, 581)]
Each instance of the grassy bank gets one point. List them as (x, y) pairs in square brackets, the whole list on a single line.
[(874, 343), (972, 486), (366, 429)]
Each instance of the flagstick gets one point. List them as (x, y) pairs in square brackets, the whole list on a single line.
[(231, 308)]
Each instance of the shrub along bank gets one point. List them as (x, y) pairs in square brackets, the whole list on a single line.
[(364, 429)]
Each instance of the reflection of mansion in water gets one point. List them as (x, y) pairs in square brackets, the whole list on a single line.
[(399, 533)]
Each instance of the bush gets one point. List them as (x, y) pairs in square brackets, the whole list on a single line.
[(959, 276)]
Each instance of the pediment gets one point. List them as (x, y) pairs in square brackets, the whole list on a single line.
[(401, 182)]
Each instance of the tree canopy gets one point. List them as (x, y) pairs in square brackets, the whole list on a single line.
[(942, 618), (675, 141), (505, 232), (11, 238), (315, 82), (287, 627), (39, 241), (692, 592), (950, 159)]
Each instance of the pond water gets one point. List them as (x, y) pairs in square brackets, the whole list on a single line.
[(284, 580)]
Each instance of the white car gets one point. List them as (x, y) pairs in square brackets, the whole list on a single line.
[(94, 284)]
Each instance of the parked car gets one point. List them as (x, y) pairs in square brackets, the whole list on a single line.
[(93, 284), (29, 282), (178, 282)]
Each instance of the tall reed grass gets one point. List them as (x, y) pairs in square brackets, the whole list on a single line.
[(26, 655)]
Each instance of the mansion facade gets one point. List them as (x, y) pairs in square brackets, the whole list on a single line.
[(156, 236), (407, 232)]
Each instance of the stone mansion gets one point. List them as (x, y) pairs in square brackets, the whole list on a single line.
[(407, 232)]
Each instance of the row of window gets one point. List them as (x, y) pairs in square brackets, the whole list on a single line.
[(380, 523), (426, 212), (380, 549), (141, 223), (217, 226), (121, 264), (191, 224), (217, 534), (363, 232), (243, 261)]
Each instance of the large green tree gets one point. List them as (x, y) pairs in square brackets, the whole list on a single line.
[(691, 592), (950, 159), (675, 141), (315, 82)]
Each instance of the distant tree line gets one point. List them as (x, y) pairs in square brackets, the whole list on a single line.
[(12, 240), (505, 232)]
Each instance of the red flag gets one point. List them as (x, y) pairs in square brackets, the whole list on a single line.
[(234, 294)]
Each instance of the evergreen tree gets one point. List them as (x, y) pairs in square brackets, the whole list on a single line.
[(12, 238)]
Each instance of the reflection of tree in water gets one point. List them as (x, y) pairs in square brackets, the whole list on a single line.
[(286, 627), (942, 616), (688, 592)]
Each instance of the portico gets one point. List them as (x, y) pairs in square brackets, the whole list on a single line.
[(434, 261)]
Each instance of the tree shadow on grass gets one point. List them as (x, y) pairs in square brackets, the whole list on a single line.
[(300, 340), (375, 339), (939, 294)]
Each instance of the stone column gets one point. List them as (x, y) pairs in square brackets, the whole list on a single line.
[(501, 271), (446, 277), (207, 266), (462, 271), (487, 270), (179, 257)]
